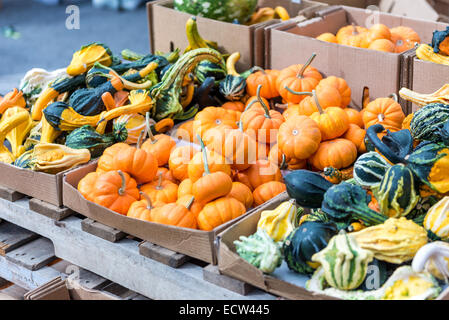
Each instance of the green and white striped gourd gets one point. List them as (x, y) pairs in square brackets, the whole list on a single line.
[(369, 169), (396, 193), (344, 262), (428, 121), (436, 221), (206, 69)]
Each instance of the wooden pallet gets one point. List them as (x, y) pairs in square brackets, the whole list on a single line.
[(122, 262)]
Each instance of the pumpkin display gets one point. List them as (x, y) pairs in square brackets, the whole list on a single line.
[(263, 122), (337, 153), (280, 222), (436, 220), (369, 169), (161, 191), (395, 241), (263, 171), (267, 191), (384, 111), (218, 212), (86, 185), (211, 117), (333, 122), (396, 193), (266, 79), (325, 96), (344, 262), (404, 38), (341, 85), (306, 240), (141, 209), (242, 193), (174, 214), (214, 138), (299, 137), (178, 161), (260, 251), (357, 136), (299, 78), (115, 190)]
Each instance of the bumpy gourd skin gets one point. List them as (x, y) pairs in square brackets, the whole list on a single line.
[(436, 221), (395, 241), (260, 251), (280, 222), (369, 169), (344, 262), (428, 121)]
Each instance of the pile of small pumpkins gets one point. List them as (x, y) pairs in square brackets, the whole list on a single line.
[(379, 37)]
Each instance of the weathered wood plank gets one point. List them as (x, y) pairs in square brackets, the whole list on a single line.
[(12, 237), (212, 274), (49, 210), (33, 255), (10, 195), (163, 255), (100, 230), (14, 292)]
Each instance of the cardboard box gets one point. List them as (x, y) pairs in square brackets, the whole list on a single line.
[(39, 185), (380, 71), (290, 285), (58, 289), (194, 243), (167, 29)]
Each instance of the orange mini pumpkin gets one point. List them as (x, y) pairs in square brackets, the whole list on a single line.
[(268, 191), (141, 209), (382, 45), (333, 122), (161, 191), (185, 188), (263, 171), (299, 137), (341, 85), (166, 175), (339, 153), (195, 207), (299, 78), (179, 161), (355, 117), (328, 37), (218, 212), (86, 185), (240, 148), (105, 163), (378, 31), (266, 79), (115, 190), (185, 131), (159, 145), (174, 214), (242, 193), (234, 105), (264, 123), (404, 38), (357, 136), (242, 177), (385, 111), (350, 31), (211, 117)]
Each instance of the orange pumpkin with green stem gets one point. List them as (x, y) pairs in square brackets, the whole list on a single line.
[(333, 122), (266, 79), (211, 185), (136, 162), (341, 85), (115, 190), (262, 121), (141, 209), (195, 207), (240, 148), (327, 96), (385, 111), (299, 137), (218, 212), (105, 163), (166, 175), (161, 191), (211, 117), (159, 145), (175, 214), (338, 153), (299, 78), (268, 191)]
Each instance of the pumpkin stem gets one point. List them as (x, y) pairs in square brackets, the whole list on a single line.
[(150, 132), (300, 74), (241, 125), (394, 96), (147, 199), (204, 151), (381, 117), (139, 140), (189, 204), (298, 93), (315, 98), (283, 162), (354, 29), (250, 105), (122, 190), (159, 181), (264, 106)]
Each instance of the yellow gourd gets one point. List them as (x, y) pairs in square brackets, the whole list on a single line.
[(420, 99), (54, 158), (6, 125), (85, 58), (437, 220), (17, 135), (425, 52), (395, 241), (280, 222)]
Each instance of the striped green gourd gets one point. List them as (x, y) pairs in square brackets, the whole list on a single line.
[(206, 69), (344, 262), (23, 161), (428, 121), (233, 87), (396, 194), (369, 169)]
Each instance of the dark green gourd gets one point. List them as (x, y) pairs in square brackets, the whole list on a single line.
[(428, 121), (369, 169), (233, 87), (206, 69), (306, 187)]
